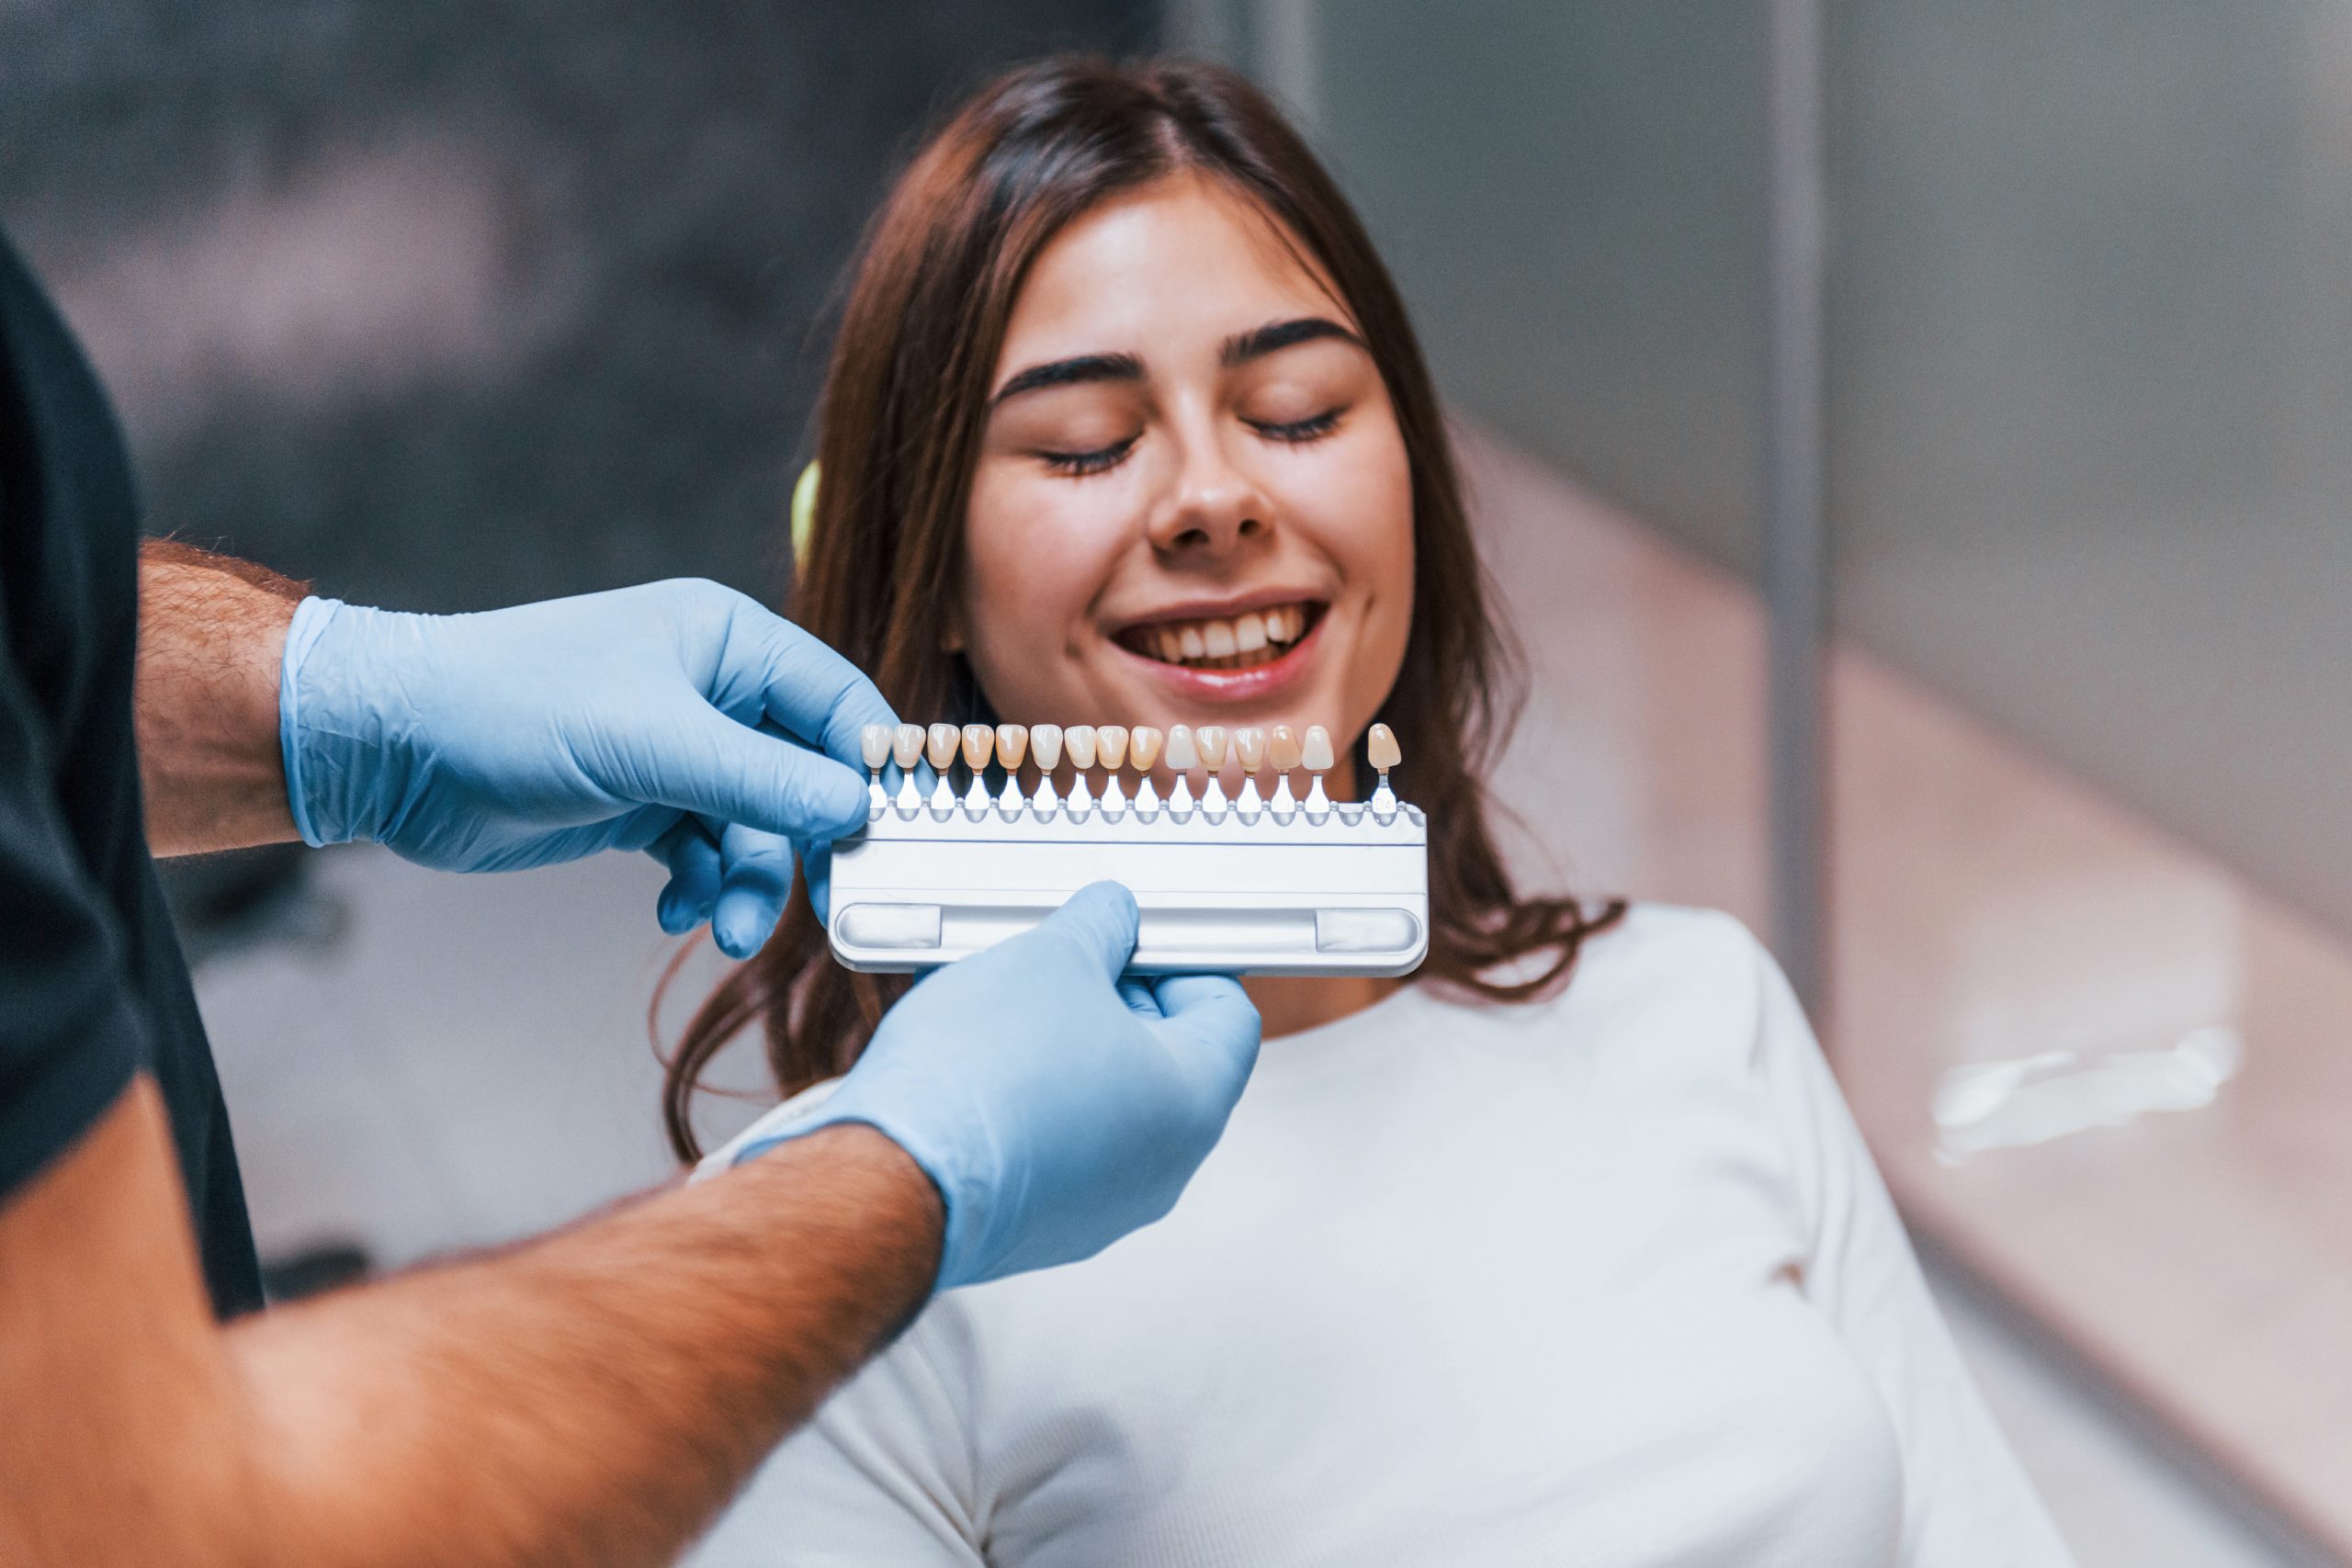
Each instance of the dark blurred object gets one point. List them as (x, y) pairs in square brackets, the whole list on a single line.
[(224, 901), (447, 306), (314, 1271)]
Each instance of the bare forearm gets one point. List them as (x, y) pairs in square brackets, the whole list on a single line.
[(212, 636), (595, 1397)]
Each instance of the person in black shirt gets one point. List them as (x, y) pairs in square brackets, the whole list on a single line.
[(593, 1397)]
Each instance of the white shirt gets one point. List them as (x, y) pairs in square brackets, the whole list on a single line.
[(1607, 1278)]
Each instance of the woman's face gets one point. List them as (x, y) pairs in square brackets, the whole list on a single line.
[(1193, 503)]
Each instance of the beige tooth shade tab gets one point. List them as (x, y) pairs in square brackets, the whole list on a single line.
[(1111, 745), (1183, 756), (1078, 741), (1249, 747), (1281, 749), (1045, 745), (1380, 748), (980, 745), (1011, 745), (941, 752), (906, 748), (1143, 745), (1316, 756), (874, 744), (1211, 740)]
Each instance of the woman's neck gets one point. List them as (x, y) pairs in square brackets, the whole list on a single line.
[(1291, 1004)]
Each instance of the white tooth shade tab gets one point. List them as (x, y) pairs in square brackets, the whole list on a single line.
[(1045, 745), (1183, 757), (1111, 745), (1143, 745), (940, 749), (1011, 745), (906, 747), (1078, 741), (1316, 755), (1211, 741), (980, 745), (873, 745)]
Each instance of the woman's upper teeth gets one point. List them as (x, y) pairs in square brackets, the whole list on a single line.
[(1225, 635)]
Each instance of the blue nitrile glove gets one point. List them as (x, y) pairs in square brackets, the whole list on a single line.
[(663, 718), (1056, 1106)]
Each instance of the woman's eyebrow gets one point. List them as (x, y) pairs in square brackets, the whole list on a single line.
[(1258, 342), (1068, 372)]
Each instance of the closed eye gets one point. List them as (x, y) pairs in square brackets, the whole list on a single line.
[(1301, 429), (1079, 463)]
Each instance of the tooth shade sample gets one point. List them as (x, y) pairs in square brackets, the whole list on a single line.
[(1111, 745), (941, 752), (1191, 644), (906, 749), (979, 744), (1282, 747), (1218, 637), (1380, 748), (1250, 747), (1211, 738), (1045, 744), (1142, 744), (874, 744), (1248, 634), (1181, 756), (1011, 745), (1315, 756), (1078, 740)]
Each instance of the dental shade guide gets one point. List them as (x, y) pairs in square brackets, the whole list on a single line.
[(1255, 885)]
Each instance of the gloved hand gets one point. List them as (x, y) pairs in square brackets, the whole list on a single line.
[(670, 717), (1054, 1106)]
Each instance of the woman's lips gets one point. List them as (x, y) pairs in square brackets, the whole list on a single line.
[(1187, 683)]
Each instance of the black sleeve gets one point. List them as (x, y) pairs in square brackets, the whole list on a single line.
[(72, 1034)]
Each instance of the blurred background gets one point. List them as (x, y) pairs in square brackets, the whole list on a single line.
[(1913, 435)]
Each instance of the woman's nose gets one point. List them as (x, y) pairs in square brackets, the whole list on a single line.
[(1212, 510)]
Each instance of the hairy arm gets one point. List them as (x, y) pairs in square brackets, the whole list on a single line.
[(589, 1398), (212, 633)]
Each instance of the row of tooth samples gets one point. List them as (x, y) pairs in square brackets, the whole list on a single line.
[(1114, 746)]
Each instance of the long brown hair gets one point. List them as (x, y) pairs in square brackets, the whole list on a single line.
[(904, 405)]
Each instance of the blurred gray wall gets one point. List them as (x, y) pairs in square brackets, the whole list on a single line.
[(1571, 197), (451, 305), (2090, 338)]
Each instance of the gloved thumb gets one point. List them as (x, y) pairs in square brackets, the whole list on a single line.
[(1214, 1016), (738, 774), (1101, 920)]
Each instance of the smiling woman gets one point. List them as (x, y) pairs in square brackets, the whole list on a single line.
[(1567, 1250), (1125, 421)]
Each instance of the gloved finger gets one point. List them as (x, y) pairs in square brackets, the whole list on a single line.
[(1101, 921), (817, 875), (1214, 1016), (733, 772), (755, 878), (803, 684), (692, 889)]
